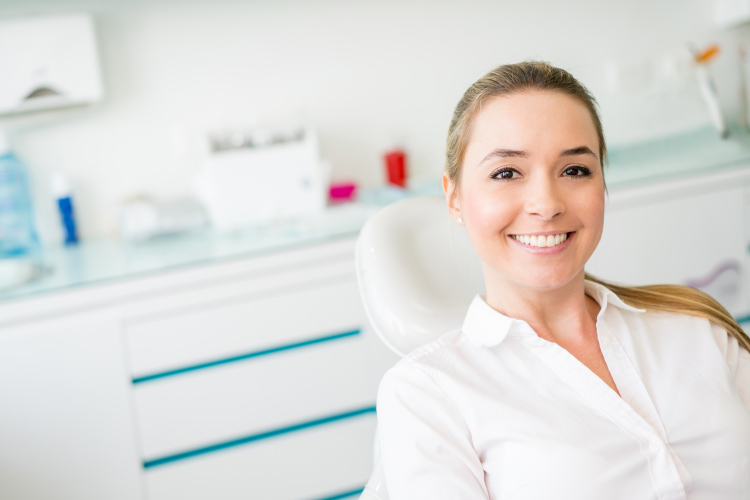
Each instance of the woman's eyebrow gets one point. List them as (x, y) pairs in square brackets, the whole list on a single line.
[(504, 153), (580, 150), (515, 153)]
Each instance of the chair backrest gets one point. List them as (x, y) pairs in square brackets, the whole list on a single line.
[(417, 272)]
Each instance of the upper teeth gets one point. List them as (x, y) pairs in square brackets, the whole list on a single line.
[(549, 240)]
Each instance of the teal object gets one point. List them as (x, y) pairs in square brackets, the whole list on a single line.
[(245, 356), (261, 436), (18, 235)]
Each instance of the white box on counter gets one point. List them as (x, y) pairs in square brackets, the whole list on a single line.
[(262, 177)]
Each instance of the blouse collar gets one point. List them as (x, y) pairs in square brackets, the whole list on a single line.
[(484, 326)]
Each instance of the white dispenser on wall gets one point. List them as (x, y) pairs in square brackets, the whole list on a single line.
[(47, 63)]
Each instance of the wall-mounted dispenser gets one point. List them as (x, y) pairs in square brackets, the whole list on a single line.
[(48, 62)]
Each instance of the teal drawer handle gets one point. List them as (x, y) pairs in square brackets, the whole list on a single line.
[(257, 437), (346, 494), (242, 357)]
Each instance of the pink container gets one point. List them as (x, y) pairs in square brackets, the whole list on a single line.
[(341, 192)]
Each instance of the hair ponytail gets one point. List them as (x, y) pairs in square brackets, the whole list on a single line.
[(679, 299)]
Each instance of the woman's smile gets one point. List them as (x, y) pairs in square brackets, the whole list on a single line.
[(548, 243)]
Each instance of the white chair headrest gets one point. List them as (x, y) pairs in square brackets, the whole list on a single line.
[(417, 272)]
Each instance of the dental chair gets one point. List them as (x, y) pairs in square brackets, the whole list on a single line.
[(417, 275)]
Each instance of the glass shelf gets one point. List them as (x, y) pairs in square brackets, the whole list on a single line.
[(108, 259), (700, 151)]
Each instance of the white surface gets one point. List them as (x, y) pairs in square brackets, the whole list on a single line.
[(66, 424), (235, 400), (4, 146), (60, 186), (314, 463), (259, 185), (417, 272), (17, 271), (487, 411), (731, 12), (238, 318), (675, 239), (52, 52)]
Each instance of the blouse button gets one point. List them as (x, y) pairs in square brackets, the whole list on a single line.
[(654, 446)]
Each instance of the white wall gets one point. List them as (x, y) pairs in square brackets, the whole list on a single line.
[(367, 73)]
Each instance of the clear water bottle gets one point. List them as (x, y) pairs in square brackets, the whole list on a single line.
[(18, 236)]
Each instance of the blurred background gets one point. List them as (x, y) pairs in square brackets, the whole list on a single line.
[(370, 76), (182, 183)]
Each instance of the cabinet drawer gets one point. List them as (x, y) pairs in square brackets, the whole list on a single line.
[(244, 324), (320, 462), (232, 401)]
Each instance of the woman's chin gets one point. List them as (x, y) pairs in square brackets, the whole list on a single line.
[(546, 282)]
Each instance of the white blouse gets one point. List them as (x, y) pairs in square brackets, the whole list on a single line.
[(492, 411)]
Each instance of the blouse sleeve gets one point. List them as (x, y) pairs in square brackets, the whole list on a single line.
[(426, 445), (738, 359)]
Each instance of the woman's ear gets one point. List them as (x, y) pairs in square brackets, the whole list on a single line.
[(451, 199)]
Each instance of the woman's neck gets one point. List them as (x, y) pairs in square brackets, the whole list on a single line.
[(561, 315)]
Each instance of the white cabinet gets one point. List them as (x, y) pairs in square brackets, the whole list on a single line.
[(253, 378), (689, 233), (66, 426), (301, 466)]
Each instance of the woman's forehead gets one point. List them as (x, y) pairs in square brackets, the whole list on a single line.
[(533, 121)]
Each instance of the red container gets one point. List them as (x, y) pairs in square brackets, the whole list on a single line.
[(395, 166)]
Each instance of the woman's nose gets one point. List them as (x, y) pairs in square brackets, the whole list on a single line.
[(544, 201)]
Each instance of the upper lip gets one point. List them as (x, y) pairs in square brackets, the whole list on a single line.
[(541, 233)]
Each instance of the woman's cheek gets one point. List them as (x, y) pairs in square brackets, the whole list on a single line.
[(590, 210), (486, 219)]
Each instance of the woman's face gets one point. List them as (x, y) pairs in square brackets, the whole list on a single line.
[(531, 190)]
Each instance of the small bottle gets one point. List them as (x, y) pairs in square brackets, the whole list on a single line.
[(18, 236), (64, 197), (395, 166), (20, 251)]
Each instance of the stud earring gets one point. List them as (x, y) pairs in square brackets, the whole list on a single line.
[(460, 220)]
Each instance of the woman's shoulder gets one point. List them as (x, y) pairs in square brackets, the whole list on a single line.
[(666, 323), (674, 332), (431, 358)]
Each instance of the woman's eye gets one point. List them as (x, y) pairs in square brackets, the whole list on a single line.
[(504, 173), (577, 171)]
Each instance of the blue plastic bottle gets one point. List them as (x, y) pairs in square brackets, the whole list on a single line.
[(18, 236), (62, 193)]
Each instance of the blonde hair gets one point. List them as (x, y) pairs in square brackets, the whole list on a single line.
[(534, 75)]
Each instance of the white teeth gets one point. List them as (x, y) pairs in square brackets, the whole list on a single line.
[(541, 241)]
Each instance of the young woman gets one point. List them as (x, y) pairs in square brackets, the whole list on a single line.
[(559, 385)]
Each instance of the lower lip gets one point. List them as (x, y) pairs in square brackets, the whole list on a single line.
[(545, 250)]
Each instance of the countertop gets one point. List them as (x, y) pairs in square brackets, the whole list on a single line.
[(109, 259)]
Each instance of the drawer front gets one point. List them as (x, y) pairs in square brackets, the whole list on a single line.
[(327, 461), (241, 399), (244, 324)]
